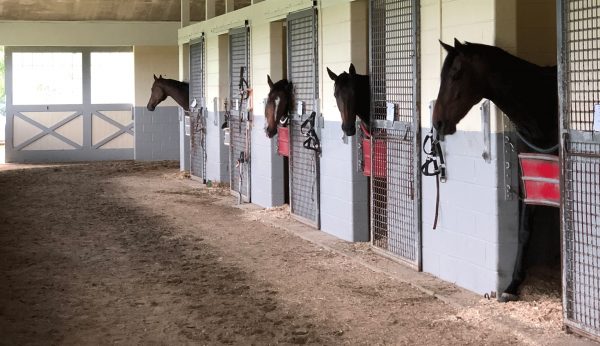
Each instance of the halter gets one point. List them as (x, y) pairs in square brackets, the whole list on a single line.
[(434, 155), (308, 130)]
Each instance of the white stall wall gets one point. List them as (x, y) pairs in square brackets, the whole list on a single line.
[(475, 242), (156, 132)]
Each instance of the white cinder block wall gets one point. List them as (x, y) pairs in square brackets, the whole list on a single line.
[(157, 132), (217, 90), (475, 242), (267, 57), (344, 190)]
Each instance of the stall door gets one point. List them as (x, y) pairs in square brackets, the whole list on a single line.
[(395, 202), (579, 85), (239, 120), (302, 71), (197, 112)]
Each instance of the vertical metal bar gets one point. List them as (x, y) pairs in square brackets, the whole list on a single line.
[(417, 132)]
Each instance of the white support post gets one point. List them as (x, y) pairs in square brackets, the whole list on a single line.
[(210, 9), (185, 13), (229, 6)]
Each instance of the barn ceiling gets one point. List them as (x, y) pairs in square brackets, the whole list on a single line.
[(100, 10)]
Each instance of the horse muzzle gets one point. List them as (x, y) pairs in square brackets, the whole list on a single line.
[(349, 130), (271, 132), (150, 108)]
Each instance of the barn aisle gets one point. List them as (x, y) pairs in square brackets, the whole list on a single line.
[(134, 253)]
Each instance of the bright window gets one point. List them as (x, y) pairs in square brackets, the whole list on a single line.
[(47, 78), (112, 77)]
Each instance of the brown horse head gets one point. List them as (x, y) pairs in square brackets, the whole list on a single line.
[(158, 93), (279, 103), (352, 95), (462, 86)]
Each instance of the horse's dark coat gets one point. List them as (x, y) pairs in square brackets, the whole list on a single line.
[(525, 92), (162, 87), (353, 96)]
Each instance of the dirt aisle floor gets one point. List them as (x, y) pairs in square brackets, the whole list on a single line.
[(130, 253)]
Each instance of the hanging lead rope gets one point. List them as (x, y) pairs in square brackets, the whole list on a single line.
[(308, 130), (434, 155), (536, 148)]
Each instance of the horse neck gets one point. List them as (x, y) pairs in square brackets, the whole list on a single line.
[(179, 91), (363, 101), (527, 94)]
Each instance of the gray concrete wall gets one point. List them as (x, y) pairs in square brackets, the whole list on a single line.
[(475, 242), (217, 154), (344, 190), (156, 133), (267, 187)]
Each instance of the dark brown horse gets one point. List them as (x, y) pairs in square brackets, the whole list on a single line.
[(162, 87), (525, 92), (279, 104), (353, 98)]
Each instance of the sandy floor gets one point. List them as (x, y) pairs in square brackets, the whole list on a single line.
[(131, 253)]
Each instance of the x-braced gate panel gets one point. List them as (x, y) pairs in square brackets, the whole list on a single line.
[(197, 111), (395, 128), (579, 85), (239, 119), (302, 71)]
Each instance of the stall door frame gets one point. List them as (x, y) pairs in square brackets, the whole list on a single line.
[(302, 67), (395, 129), (579, 97)]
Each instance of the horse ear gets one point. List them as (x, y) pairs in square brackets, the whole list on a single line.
[(155, 77), (290, 86), (457, 44), (160, 76), (352, 69), (270, 81), (332, 75), (448, 48)]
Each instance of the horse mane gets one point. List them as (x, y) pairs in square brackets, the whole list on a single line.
[(514, 85), (493, 52), (173, 82)]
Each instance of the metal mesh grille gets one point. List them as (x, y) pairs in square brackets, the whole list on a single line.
[(581, 164), (582, 234), (395, 212), (583, 44), (392, 58), (197, 130), (393, 181), (302, 71), (238, 122)]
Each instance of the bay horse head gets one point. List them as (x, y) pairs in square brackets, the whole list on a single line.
[(279, 104), (462, 86), (158, 93), (163, 87), (353, 97)]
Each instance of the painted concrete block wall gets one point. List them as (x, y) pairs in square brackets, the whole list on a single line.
[(217, 86), (474, 245), (267, 47), (184, 140), (344, 190), (156, 133)]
